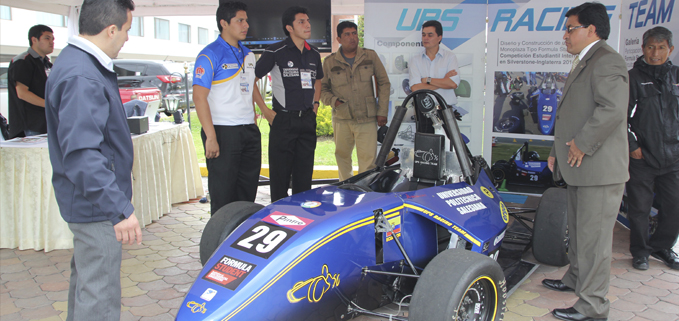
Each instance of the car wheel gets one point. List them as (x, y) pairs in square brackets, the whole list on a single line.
[(508, 125), (460, 285), (222, 223), (550, 231)]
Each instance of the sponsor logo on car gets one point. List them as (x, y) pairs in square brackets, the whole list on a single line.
[(396, 225), (311, 204), (505, 213), (229, 272), (315, 287), (487, 192), (195, 307), (291, 221), (499, 238), (208, 294)]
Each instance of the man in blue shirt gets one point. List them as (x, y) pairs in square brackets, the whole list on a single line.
[(296, 74), (434, 67), (91, 154), (223, 90)]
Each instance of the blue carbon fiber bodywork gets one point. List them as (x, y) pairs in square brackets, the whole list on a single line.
[(317, 269)]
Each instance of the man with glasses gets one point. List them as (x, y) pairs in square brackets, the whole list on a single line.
[(590, 146)]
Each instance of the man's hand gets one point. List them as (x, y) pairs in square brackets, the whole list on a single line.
[(381, 121), (211, 148), (636, 154), (575, 155), (451, 73), (550, 162), (127, 229), (338, 102)]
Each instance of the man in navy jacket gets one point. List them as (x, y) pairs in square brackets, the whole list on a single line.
[(91, 153)]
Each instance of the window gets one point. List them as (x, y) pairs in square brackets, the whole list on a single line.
[(5, 13), (202, 36), (137, 28), (184, 33), (162, 29), (50, 19), (126, 70)]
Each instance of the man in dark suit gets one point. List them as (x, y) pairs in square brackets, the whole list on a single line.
[(590, 146)]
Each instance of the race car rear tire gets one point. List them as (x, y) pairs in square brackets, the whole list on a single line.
[(455, 284), (550, 231), (222, 223)]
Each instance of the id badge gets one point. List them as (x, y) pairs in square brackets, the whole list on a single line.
[(305, 76), (244, 85)]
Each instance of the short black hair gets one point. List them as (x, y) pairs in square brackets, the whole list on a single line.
[(658, 34), (37, 31), (96, 15), (593, 13), (344, 25), (227, 10), (289, 17), (434, 23), (437, 26)]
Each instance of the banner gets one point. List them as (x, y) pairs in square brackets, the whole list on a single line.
[(638, 17), (528, 65), (393, 28)]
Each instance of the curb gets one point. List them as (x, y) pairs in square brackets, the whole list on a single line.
[(320, 171)]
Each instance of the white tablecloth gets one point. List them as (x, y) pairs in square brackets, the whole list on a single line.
[(165, 171)]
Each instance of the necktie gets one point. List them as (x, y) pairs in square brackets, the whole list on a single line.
[(576, 61)]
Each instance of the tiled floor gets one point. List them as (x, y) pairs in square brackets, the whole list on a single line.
[(156, 275)]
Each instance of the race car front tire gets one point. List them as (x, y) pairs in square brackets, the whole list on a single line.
[(460, 285), (222, 223), (550, 230)]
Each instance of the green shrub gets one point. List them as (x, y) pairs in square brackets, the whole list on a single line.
[(324, 121)]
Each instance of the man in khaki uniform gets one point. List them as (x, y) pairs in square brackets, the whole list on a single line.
[(590, 147), (348, 88)]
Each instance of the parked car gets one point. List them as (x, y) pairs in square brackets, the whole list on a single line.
[(150, 74)]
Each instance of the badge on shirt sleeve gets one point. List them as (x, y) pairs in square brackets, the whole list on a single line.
[(244, 85), (305, 76)]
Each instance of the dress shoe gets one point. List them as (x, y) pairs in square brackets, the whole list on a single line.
[(640, 263), (572, 314), (556, 285), (668, 257)]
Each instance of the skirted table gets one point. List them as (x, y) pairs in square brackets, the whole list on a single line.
[(165, 171)]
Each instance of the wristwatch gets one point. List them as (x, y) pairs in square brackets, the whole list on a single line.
[(428, 80), (316, 102)]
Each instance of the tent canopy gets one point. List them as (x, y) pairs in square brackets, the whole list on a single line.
[(166, 7)]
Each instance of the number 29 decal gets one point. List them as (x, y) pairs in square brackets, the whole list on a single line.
[(263, 239)]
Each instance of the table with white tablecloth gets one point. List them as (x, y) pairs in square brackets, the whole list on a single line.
[(165, 171)]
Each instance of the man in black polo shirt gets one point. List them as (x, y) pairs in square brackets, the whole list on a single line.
[(296, 73), (27, 75)]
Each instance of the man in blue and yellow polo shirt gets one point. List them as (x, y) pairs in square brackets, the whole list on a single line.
[(223, 90)]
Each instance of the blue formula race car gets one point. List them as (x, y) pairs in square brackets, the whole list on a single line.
[(425, 232)]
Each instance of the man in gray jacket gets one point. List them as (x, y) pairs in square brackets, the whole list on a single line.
[(590, 145), (348, 88), (91, 154)]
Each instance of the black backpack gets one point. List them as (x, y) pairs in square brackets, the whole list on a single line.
[(4, 128)]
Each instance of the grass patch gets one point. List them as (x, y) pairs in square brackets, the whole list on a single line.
[(325, 146)]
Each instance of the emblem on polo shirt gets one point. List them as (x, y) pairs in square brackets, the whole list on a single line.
[(200, 71), (290, 64)]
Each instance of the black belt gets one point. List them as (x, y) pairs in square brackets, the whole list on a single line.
[(298, 113)]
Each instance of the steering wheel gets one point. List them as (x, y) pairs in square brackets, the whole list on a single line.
[(355, 187)]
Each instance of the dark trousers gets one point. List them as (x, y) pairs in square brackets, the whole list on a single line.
[(234, 175), (292, 142), (640, 199)]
